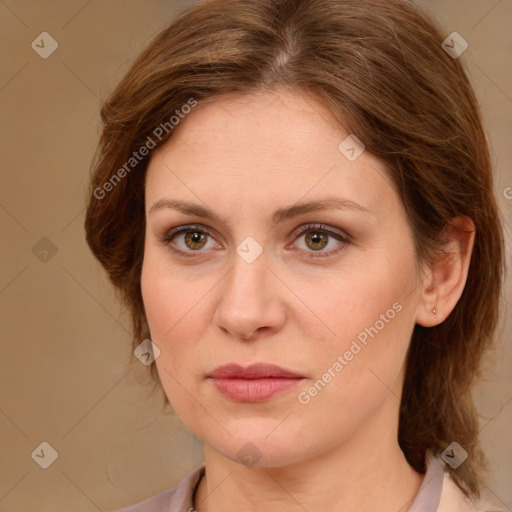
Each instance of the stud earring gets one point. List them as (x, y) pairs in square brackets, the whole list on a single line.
[(434, 311)]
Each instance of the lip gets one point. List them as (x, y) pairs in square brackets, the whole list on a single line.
[(255, 383), (253, 371)]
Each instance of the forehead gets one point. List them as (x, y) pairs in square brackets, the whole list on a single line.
[(272, 124), (287, 114), (276, 147)]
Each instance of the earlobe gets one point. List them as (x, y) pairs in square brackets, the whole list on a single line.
[(428, 313), (447, 275)]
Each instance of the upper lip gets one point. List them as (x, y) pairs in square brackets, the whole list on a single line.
[(253, 371)]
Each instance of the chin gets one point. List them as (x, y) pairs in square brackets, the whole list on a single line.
[(258, 450)]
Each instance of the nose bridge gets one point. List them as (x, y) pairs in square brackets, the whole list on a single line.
[(247, 281), (247, 303), (248, 275)]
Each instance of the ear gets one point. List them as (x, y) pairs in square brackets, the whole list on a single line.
[(445, 277)]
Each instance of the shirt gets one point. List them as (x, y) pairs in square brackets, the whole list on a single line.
[(438, 493)]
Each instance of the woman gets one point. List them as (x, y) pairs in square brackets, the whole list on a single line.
[(295, 199)]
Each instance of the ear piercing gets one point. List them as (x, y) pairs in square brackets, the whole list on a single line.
[(434, 311)]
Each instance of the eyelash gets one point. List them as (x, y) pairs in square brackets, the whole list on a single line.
[(316, 228)]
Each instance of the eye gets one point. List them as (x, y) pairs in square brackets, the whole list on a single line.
[(318, 236), (194, 238)]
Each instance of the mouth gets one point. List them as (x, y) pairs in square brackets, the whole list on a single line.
[(255, 383)]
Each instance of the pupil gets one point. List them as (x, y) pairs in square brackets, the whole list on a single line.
[(317, 239), (194, 239)]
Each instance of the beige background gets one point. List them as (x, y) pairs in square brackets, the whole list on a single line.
[(64, 372)]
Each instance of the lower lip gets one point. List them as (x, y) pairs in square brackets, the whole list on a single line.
[(254, 390)]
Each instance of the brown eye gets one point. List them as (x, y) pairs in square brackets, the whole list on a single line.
[(317, 240), (187, 240), (317, 237), (195, 240)]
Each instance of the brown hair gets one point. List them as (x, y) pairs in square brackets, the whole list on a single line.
[(380, 68)]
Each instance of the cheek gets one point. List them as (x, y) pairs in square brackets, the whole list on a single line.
[(158, 299), (370, 327), (369, 346), (359, 370), (166, 296), (176, 311), (164, 303), (363, 307), (165, 307)]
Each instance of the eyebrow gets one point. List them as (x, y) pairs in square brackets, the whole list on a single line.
[(329, 203)]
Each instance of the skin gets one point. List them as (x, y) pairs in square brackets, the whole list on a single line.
[(245, 156)]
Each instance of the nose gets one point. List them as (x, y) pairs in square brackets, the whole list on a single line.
[(250, 305)]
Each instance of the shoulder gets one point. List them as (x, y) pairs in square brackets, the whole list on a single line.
[(177, 498), (157, 503), (454, 500)]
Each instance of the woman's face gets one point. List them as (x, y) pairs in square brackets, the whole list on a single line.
[(237, 287)]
